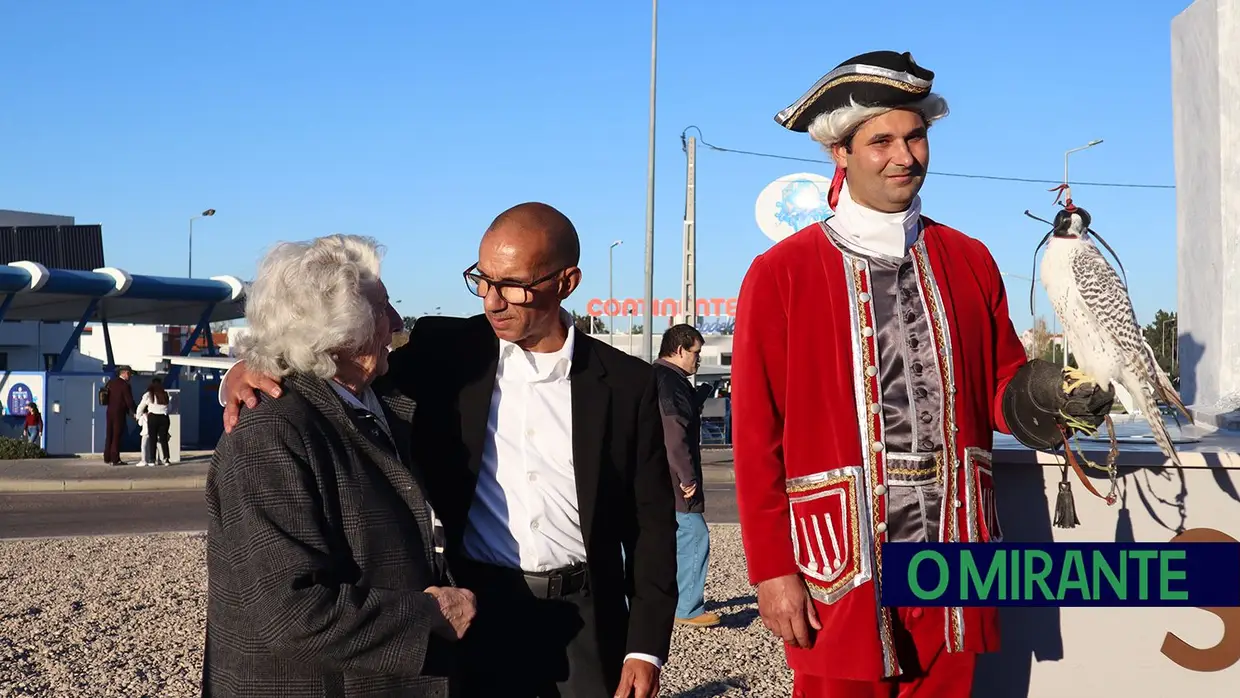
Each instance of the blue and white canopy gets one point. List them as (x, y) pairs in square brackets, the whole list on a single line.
[(31, 291)]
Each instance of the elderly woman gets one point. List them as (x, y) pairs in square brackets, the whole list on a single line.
[(325, 571)]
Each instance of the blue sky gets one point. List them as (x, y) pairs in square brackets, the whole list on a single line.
[(417, 122)]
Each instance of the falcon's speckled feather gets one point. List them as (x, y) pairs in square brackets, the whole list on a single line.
[(1100, 325)]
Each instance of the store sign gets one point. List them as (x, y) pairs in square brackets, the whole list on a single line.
[(667, 307)]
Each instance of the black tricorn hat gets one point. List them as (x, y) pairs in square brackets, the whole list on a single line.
[(874, 79), (1031, 405)]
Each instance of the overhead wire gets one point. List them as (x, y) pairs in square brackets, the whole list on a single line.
[(1030, 180)]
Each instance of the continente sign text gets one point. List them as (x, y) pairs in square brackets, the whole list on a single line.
[(667, 307)]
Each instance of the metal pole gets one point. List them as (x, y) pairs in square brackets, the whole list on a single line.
[(1162, 338), (1175, 340), (688, 293), (647, 338), (190, 273), (611, 293), (205, 214), (631, 314)]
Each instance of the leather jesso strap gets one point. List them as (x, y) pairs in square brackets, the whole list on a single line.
[(1080, 472)]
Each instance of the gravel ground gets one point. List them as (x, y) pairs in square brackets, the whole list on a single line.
[(123, 616)]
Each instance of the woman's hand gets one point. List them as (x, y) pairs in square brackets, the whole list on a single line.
[(458, 607)]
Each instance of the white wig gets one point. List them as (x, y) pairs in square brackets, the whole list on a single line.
[(835, 127), (310, 302)]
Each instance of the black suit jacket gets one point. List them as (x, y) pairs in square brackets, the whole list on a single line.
[(449, 368), (319, 549)]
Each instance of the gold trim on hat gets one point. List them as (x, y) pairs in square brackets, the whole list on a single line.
[(843, 79)]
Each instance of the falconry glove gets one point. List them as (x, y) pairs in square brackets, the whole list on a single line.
[(1043, 397)]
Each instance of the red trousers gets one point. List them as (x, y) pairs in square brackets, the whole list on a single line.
[(930, 671), (113, 435)]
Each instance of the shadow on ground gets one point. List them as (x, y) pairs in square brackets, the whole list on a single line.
[(715, 688), (737, 613)]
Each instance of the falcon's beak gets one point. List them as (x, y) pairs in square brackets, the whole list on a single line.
[(1063, 224)]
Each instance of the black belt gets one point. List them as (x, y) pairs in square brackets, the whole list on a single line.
[(557, 583), (551, 584)]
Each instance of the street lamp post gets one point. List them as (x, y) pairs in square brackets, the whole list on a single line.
[(1175, 341), (1065, 181), (1033, 307), (647, 338), (205, 214), (1075, 150), (611, 292)]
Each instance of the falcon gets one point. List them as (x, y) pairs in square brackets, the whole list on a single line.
[(1096, 313)]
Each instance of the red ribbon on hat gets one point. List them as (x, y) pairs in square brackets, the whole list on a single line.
[(837, 183)]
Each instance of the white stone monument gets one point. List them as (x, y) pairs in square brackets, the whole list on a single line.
[(1205, 87)]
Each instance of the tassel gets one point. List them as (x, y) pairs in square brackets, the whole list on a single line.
[(1065, 505), (837, 184)]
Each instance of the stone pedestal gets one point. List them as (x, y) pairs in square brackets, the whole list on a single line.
[(1205, 71)]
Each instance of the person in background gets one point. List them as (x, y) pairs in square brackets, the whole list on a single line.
[(34, 423), (153, 409), (680, 355), (325, 566), (118, 396), (144, 430)]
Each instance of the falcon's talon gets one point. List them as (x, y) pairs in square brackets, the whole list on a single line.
[(1073, 379)]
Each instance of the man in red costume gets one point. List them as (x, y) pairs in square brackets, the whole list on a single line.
[(873, 360)]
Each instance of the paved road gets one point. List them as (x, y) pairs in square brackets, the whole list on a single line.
[(108, 513), (100, 513)]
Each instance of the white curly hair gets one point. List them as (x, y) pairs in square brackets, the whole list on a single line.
[(835, 127), (310, 303)]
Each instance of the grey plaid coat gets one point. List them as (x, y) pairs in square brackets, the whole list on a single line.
[(319, 548)]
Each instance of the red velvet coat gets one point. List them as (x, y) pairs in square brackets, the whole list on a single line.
[(807, 431)]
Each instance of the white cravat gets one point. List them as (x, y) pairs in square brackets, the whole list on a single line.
[(890, 234)]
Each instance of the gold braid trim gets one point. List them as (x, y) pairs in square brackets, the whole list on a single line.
[(871, 397), (845, 79)]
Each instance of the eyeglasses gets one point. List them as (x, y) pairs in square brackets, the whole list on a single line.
[(515, 292)]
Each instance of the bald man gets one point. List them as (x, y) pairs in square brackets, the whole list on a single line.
[(543, 450)]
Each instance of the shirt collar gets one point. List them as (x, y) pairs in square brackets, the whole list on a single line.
[(515, 362), (368, 401), (875, 232), (680, 371)]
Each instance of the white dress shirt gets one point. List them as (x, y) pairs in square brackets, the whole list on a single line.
[(525, 513)]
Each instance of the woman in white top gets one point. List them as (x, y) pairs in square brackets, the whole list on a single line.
[(154, 406)]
